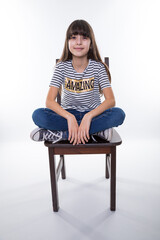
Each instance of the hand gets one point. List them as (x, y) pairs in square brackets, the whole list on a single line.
[(72, 129), (83, 130)]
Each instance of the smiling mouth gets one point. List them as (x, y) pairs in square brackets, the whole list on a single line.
[(78, 48)]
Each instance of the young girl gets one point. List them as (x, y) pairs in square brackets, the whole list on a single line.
[(82, 77)]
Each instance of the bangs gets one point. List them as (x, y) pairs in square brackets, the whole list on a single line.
[(79, 27)]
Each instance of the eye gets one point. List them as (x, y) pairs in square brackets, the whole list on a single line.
[(84, 37), (73, 37)]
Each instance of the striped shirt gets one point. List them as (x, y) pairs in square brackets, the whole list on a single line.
[(80, 91)]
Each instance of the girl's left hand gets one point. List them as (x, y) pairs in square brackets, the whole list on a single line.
[(83, 130)]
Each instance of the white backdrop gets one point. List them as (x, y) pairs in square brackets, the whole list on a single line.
[(32, 37), (32, 34)]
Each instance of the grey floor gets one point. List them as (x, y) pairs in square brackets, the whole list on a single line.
[(25, 202)]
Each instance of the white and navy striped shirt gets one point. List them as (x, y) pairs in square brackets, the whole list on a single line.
[(80, 91)]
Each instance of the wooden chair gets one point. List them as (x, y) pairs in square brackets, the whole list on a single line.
[(64, 147)]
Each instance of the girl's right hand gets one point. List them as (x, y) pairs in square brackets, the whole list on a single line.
[(72, 129)]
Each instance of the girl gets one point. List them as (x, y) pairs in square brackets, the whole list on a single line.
[(82, 77)]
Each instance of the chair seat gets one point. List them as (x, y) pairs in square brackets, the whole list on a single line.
[(116, 140), (88, 148)]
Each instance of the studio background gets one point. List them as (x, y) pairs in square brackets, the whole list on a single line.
[(33, 34), (32, 37)]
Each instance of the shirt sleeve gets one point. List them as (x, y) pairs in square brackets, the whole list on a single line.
[(57, 78), (103, 77)]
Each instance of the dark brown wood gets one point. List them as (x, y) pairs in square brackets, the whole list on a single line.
[(63, 171), (106, 60), (107, 167), (113, 180), (54, 187), (78, 150), (109, 164)]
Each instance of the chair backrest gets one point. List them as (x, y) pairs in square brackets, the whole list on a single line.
[(106, 60)]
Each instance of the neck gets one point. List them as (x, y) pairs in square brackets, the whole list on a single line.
[(79, 64)]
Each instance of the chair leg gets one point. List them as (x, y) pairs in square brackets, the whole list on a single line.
[(63, 171), (54, 187), (113, 180), (107, 166)]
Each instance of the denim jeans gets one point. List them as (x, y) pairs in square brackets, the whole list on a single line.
[(48, 119)]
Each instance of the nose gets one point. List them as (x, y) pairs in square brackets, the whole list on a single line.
[(79, 39)]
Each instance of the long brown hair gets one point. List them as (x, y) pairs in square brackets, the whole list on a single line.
[(82, 27)]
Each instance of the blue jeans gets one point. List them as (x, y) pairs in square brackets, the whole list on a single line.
[(48, 119)]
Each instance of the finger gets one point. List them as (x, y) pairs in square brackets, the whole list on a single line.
[(79, 138), (82, 139), (69, 137), (85, 137), (88, 135), (72, 138), (75, 140)]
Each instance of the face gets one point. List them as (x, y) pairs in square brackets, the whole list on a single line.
[(79, 45)]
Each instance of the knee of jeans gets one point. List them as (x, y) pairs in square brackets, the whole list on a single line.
[(122, 115), (37, 115)]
